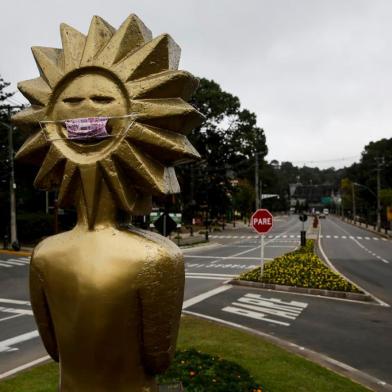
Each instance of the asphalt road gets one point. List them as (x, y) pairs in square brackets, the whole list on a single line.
[(355, 334)]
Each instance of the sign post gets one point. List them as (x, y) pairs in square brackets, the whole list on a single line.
[(261, 221), (303, 218)]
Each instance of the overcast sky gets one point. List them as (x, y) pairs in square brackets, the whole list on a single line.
[(316, 72)]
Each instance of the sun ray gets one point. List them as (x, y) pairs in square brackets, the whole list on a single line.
[(167, 84), (51, 172), (131, 35), (149, 175), (91, 189), (34, 149), (29, 116), (99, 34), (160, 54), (73, 45), (36, 91), (50, 62), (173, 114), (66, 195), (170, 147)]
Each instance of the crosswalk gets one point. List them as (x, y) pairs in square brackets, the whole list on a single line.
[(15, 262), (295, 236)]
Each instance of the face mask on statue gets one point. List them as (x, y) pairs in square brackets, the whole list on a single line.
[(85, 128)]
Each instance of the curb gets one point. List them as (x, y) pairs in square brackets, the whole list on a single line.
[(302, 290), (15, 252), (204, 245)]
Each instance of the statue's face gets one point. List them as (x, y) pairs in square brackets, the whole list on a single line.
[(90, 95)]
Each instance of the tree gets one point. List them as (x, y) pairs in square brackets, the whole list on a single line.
[(227, 142)]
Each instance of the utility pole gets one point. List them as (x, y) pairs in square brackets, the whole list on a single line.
[(257, 201), (14, 237), (353, 197), (380, 162)]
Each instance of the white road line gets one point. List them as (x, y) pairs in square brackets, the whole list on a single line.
[(18, 263), (5, 345), (224, 257), (209, 274), (23, 367), (382, 303), (202, 297), (16, 311), (20, 260), (14, 301), (205, 277), (10, 317), (359, 244), (235, 255)]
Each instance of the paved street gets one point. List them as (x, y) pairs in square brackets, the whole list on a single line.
[(353, 333)]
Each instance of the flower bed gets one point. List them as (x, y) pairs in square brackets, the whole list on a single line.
[(300, 268), (201, 372)]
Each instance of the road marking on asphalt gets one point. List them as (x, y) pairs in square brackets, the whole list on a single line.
[(202, 265), (194, 275), (257, 307), (223, 257), (291, 236), (23, 367), (14, 301), (9, 263), (202, 297), (326, 259), (235, 255), (6, 345), (16, 311), (10, 317)]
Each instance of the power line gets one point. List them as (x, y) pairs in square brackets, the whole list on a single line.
[(328, 160)]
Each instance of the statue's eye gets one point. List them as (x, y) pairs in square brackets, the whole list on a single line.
[(103, 99), (73, 100)]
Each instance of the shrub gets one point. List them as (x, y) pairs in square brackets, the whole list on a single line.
[(300, 268), (200, 372)]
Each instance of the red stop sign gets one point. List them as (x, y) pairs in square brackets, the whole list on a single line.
[(261, 221)]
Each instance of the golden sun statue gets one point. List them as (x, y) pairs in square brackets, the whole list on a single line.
[(110, 116)]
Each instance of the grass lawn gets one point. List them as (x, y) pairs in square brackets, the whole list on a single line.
[(274, 368)]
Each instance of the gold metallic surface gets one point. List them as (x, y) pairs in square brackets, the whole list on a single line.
[(108, 301)]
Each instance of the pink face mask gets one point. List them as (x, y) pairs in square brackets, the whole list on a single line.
[(87, 128)]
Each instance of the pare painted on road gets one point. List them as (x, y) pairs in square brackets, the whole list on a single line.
[(271, 310)]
